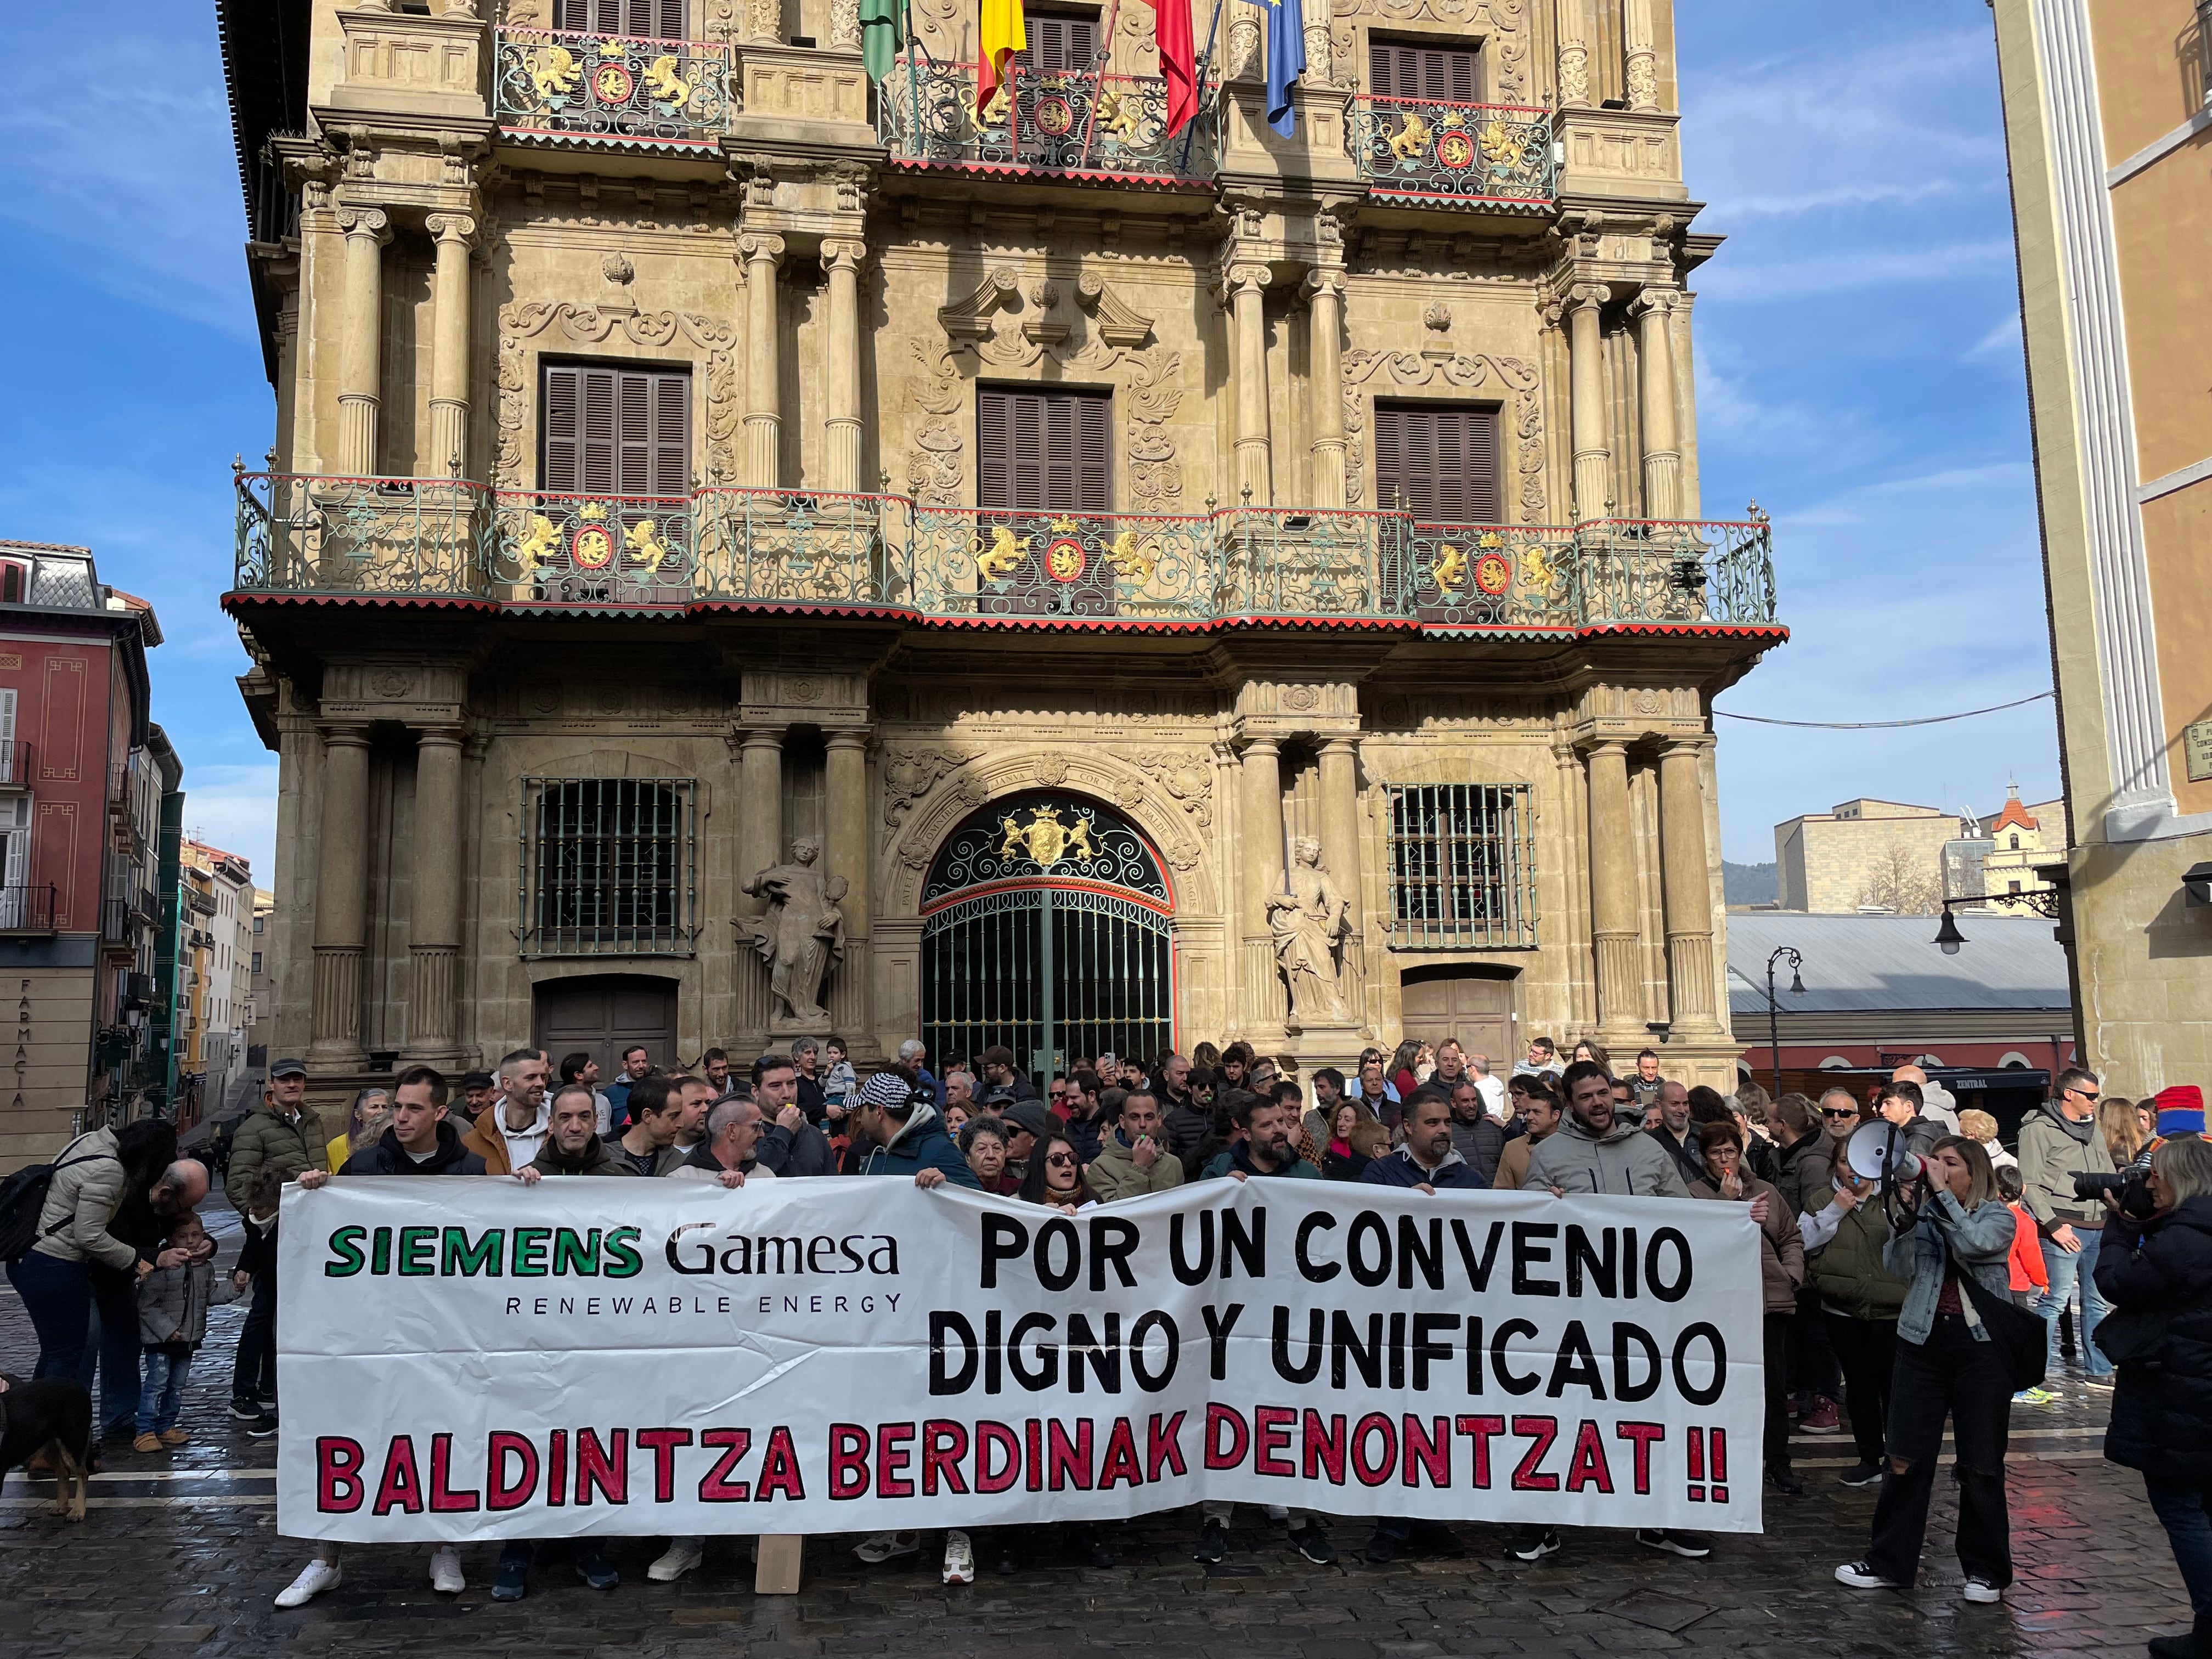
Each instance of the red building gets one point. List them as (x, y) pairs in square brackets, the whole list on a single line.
[(83, 774)]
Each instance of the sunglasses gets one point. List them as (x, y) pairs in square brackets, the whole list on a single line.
[(1848, 1111), (2086, 1094), (1058, 1160)]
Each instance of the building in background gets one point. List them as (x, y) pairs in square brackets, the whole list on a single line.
[(1865, 855), (2109, 136), (261, 986), (2023, 840), (219, 902), (81, 795), (161, 1016)]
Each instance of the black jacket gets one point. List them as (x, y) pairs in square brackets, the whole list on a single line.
[(1806, 1172), (1343, 1166), (2158, 1274), (1185, 1127), (257, 1254), (1085, 1134), (1480, 1143), (1685, 1154), (387, 1157), (806, 1152)]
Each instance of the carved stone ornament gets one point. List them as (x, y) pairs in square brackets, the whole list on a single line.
[(1308, 922), (1458, 371), (799, 689), (1117, 324), (1437, 318), (1052, 771), (617, 268), (1187, 779), (523, 321), (392, 683), (1649, 703), (802, 933), (1300, 698)]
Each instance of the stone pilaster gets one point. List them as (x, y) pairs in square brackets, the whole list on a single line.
[(435, 909), (845, 854), (341, 900), (1612, 892), (360, 383), (1662, 455), (1242, 286), (760, 813), (449, 345), (1325, 318), (841, 373), (1341, 852), (1575, 36), (1689, 908), (1593, 453), (1641, 54), (763, 254)]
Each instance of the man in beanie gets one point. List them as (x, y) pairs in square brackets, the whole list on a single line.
[(897, 1119), (1027, 1124)]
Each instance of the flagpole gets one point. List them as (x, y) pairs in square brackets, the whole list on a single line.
[(1098, 85), (1205, 58)]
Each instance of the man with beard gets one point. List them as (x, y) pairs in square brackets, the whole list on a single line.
[(573, 1146)]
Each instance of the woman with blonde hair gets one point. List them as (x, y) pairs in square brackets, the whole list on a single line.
[(2122, 1128), (1947, 1366), (1978, 1125)]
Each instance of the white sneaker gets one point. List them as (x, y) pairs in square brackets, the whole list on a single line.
[(314, 1579), (446, 1571), (880, 1546), (681, 1556), (959, 1559), (1981, 1590)]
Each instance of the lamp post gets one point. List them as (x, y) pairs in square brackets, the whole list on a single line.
[(1781, 953), (2043, 902)]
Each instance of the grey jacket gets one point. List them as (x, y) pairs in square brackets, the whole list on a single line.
[(2051, 1149), (1981, 1237), (173, 1303), (1113, 1173), (82, 1199), (1624, 1161)]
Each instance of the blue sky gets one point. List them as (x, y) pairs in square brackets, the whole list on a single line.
[(1858, 374)]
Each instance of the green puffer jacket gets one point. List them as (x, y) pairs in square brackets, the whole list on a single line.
[(265, 1138), (1848, 1271)]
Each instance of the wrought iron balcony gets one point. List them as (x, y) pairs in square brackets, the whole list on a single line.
[(1460, 155), (1050, 121), (27, 908), (604, 88), (409, 538), (727, 547)]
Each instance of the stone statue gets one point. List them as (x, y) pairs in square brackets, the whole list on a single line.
[(802, 933), (1310, 922)]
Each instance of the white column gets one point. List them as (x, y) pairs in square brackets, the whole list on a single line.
[(1244, 285), (1325, 360), (1643, 65), (841, 381), (763, 253), (1662, 455), (359, 389), (449, 345), (1593, 454)]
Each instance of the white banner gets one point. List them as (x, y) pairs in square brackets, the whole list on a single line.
[(474, 1359)]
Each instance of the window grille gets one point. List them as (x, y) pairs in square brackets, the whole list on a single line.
[(609, 866), (1462, 866)]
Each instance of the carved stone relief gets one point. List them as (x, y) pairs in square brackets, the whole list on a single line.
[(1414, 368), (1188, 779), (909, 773), (524, 321)]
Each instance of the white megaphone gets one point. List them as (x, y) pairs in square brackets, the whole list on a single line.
[(1877, 1151)]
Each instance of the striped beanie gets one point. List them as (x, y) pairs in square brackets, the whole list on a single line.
[(2180, 1109)]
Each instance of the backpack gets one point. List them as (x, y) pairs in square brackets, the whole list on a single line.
[(23, 1200)]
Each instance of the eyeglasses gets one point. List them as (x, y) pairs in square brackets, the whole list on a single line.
[(1058, 1160), (2086, 1094), (1840, 1112)]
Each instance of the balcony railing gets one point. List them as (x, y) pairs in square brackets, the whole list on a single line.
[(1472, 153), (408, 539), (27, 908), (581, 89), (1051, 121), (16, 760), (393, 537)]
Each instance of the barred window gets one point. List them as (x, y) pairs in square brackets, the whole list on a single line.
[(1462, 866), (609, 866)]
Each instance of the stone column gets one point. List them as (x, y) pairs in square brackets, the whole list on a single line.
[(760, 812), (1642, 60), (1662, 456), (1689, 902), (434, 941), (449, 345), (359, 389), (1612, 888), (763, 254), (1340, 823), (1325, 288), (1575, 35), (341, 900), (1320, 60), (1593, 454), (1245, 284), (1262, 853), (842, 377), (286, 448), (845, 852)]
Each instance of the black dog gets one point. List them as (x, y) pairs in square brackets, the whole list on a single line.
[(52, 1416)]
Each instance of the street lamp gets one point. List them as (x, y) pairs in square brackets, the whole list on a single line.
[(1774, 1009), (1949, 938)]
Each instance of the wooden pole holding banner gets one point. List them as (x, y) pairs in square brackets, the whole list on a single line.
[(775, 1572), (1098, 84), (1197, 73)]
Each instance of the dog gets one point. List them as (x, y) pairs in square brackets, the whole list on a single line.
[(52, 1416)]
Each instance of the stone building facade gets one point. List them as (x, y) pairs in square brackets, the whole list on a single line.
[(1864, 851), (1123, 588)]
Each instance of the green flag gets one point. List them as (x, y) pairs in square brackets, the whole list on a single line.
[(883, 32)]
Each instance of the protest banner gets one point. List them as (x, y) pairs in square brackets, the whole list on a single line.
[(478, 1359)]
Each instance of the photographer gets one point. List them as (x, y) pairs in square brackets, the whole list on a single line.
[(2156, 1273), (1947, 1365)]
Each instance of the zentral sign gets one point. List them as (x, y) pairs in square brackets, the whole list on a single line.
[(471, 1359)]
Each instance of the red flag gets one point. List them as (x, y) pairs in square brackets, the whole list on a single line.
[(1178, 60)]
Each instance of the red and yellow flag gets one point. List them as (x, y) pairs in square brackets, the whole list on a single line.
[(1005, 32)]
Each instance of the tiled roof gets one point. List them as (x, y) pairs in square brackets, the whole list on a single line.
[(1874, 963)]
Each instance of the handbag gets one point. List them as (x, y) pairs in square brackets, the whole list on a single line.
[(2022, 1339), (2131, 1336)]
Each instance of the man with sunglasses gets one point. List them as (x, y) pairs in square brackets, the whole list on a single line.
[(2057, 1142)]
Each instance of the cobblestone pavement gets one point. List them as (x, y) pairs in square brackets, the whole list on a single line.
[(180, 1557)]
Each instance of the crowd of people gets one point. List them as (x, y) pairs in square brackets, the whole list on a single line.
[(1871, 1276)]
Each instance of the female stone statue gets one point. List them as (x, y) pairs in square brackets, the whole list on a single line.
[(1308, 922), (803, 931)]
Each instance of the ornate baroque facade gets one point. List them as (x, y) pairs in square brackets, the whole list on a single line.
[(1153, 571)]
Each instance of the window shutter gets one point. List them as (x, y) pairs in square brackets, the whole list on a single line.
[(1043, 452), (561, 474), (1443, 74), (634, 435), (1061, 43), (1442, 459), (1093, 447), (993, 481), (671, 434)]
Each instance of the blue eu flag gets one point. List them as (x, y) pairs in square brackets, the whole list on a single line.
[(1286, 60)]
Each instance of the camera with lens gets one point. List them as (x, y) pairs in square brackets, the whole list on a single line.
[(2132, 1187)]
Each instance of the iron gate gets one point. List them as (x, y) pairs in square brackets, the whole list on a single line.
[(1026, 943)]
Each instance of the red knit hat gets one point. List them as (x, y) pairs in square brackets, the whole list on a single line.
[(2180, 1108)]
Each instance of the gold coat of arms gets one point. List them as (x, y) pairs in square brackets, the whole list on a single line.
[(1045, 838)]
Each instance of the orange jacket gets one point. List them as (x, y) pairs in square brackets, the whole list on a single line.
[(2028, 1272)]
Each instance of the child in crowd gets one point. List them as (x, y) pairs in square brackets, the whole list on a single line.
[(841, 1083), (173, 1309), (253, 1379)]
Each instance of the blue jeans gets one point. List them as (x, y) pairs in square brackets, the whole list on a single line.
[(162, 1402), (114, 1338), (2180, 1506), (57, 1297), (2064, 1266)]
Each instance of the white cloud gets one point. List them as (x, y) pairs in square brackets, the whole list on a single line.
[(233, 807), (2001, 344)]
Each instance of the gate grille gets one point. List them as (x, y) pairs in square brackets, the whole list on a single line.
[(1462, 866), (608, 867)]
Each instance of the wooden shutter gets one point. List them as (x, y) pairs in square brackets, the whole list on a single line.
[(1061, 41), (1442, 75), (616, 431), (1442, 459), (1043, 452), (662, 19)]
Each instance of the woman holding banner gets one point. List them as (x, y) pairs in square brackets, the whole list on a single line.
[(1952, 1224)]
